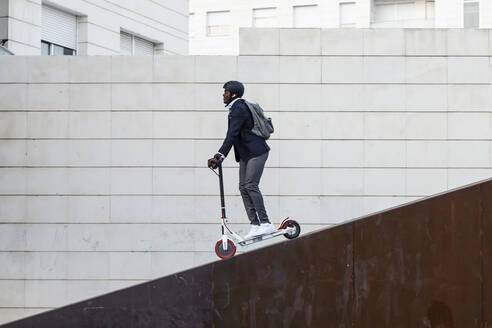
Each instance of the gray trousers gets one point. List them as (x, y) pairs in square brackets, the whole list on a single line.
[(249, 177)]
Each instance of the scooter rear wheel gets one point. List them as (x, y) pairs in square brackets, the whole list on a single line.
[(291, 224), (225, 254)]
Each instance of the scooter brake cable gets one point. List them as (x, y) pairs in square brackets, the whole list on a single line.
[(217, 174)]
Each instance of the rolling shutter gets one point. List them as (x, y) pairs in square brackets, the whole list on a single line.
[(59, 27)]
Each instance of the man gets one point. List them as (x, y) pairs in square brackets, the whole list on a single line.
[(251, 151)]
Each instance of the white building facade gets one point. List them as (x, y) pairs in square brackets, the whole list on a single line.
[(214, 24), (88, 27)]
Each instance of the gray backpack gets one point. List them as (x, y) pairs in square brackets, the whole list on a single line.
[(263, 125)]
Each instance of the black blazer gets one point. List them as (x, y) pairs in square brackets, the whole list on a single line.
[(246, 144)]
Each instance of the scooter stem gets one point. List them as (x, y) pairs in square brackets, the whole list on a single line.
[(222, 201)]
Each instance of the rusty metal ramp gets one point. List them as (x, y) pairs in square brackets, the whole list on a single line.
[(423, 264)]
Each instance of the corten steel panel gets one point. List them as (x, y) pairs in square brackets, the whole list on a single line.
[(419, 265), (180, 300), (300, 283)]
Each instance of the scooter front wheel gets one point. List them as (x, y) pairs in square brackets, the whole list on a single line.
[(222, 253), (293, 233)]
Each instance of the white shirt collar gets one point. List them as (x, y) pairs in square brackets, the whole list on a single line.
[(232, 103)]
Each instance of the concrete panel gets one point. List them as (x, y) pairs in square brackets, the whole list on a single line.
[(131, 96), (174, 208), (96, 237), (45, 293), (384, 97), (77, 267), (47, 208), (267, 95), (89, 181), (13, 68), (166, 263), (384, 69), (89, 125), (469, 97), (12, 181), (13, 125), (45, 265), (460, 177), (384, 153), (11, 314), (174, 68), (426, 97), (46, 237), (384, 42), (426, 153), (90, 96), (384, 125), (304, 209), (132, 125), (131, 69), (426, 42), (13, 237), (343, 126), (338, 209), (211, 125), (133, 209), (48, 69), (343, 153), (215, 68), (169, 124), (174, 181), (425, 126), (80, 290), (12, 152), (299, 69), (295, 153), (47, 125), (426, 70), (384, 182), (12, 209), (467, 42), (209, 96), (12, 293), (88, 209), (300, 97), (468, 154), (259, 41), (343, 70), (342, 42), (340, 97), (131, 152), (47, 181), (130, 265), (305, 41), (131, 181), (258, 69), (89, 152), (13, 265), (377, 204), (468, 70), (300, 126), (163, 152), (426, 181), (301, 181), (48, 96), (13, 96), (343, 181), (469, 126), (93, 69), (47, 152), (173, 96)]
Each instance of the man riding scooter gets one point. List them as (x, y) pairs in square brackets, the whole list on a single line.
[(251, 151)]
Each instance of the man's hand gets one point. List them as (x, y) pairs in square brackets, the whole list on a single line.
[(214, 161)]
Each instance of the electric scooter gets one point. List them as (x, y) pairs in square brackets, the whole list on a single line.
[(226, 246)]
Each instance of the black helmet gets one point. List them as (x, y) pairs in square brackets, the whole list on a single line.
[(234, 87)]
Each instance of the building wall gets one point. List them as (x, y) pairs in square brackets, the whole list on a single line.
[(448, 14), (164, 22), (103, 178)]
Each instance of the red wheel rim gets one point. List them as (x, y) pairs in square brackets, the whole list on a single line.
[(229, 244)]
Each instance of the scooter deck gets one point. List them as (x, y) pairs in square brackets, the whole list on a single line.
[(262, 237)]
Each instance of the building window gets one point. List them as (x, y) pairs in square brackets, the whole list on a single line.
[(264, 17), (219, 23), (347, 14), (306, 16), (393, 10), (470, 14), (132, 45), (58, 32)]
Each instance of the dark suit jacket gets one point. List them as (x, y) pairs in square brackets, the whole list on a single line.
[(246, 144)]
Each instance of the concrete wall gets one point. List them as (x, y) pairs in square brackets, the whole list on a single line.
[(103, 181), (164, 22)]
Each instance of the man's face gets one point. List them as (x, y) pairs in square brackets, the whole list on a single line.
[(227, 97)]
